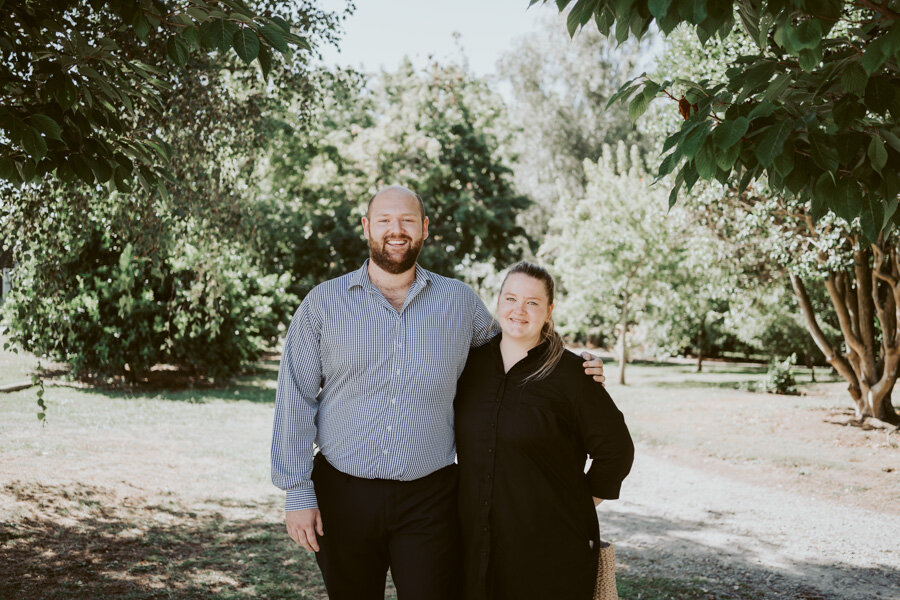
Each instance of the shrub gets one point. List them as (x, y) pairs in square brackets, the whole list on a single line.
[(109, 310), (779, 379)]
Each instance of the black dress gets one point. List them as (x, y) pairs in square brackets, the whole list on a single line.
[(525, 504)]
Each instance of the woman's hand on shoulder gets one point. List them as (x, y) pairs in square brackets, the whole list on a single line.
[(597, 500)]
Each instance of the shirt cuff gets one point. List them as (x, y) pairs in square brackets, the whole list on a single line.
[(300, 499)]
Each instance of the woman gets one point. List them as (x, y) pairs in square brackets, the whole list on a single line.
[(526, 418)]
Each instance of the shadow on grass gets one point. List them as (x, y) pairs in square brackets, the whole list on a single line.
[(674, 566), (87, 542)]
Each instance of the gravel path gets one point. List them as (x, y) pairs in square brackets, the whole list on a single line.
[(744, 540)]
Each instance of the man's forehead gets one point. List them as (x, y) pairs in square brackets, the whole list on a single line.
[(394, 202)]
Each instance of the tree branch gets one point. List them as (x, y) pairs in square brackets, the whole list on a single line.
[(882, 9), (839, 363), (838, 299)]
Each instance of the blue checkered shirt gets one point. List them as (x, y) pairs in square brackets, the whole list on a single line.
[(372, 387)]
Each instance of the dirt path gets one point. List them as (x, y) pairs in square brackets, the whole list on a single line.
[(743, 540)]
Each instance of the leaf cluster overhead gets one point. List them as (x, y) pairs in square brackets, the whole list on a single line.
[(814, 109), (82, 84)]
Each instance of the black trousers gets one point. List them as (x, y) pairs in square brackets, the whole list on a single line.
[(371, 525)]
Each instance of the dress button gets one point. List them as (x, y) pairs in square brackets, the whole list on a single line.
[(490, 450)]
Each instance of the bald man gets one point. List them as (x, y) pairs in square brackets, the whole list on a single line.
[(368, 375)]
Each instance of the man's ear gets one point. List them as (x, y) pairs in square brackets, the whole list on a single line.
[(425, 228), (365, 224)]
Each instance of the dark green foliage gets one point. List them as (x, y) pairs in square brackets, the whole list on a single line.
[(78, 80), (820, 99), (436, 132), (110, 301)]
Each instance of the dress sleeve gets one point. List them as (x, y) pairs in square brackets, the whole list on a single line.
[(605, 436), (296, 405)]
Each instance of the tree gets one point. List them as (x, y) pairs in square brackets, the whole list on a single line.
[(809, 109), (843, 283), (120, 273), (559, 89), (80, 78), (439, 131), (611, 254)]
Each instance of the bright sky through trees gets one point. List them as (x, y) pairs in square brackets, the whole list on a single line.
[(381, 32)]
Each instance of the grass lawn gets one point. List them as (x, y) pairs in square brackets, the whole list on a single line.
[(166, 494)]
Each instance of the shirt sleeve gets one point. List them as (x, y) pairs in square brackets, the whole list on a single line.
[(484, 326), (296, 405), (606, 439)]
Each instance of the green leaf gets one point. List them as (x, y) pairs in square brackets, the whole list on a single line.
[(730, 132), (778, 85), (879, 94), (854, 79), (877, 153), (604, 18), (809, 60), (102, 170), (763, 109), (81, 169), (191, 37), (46, 125), (177, 50), (725, 159), (871, 218), (265, 61), (846, 199), (772, 142), (638, 106), (34, 143), (705, 161), (875, 55), (659, 8), (273, 34), (809, 34), (694, 140), (784, 162), (8, 170), (891, 139), (218, 33), (141, 25), (246, 44), (580, 14)]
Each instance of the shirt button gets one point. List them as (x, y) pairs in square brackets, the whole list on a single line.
[(388, 427), (490, 450), (393, 401), (398, 371), (385, 452)]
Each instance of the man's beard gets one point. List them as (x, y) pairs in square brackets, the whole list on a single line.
[(381, 257)]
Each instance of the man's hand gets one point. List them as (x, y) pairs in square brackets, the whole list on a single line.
[(302, 526), (593, 366)]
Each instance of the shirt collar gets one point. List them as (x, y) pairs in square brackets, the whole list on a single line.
[(360, 277)]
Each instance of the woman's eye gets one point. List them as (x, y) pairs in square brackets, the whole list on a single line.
[(533, 303)]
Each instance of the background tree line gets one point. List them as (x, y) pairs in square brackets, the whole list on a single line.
[(226, 192)]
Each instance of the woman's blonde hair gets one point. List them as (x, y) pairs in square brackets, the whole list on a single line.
[(551, 356)]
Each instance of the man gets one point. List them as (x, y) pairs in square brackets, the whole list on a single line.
[(368, 374)]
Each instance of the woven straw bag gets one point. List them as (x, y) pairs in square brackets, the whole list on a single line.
[(605, 587)]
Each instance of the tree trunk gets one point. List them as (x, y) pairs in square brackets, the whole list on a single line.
[(623, 342), (869, 293), (700, 338)]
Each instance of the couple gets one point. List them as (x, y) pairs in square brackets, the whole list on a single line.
[(374, 363)]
